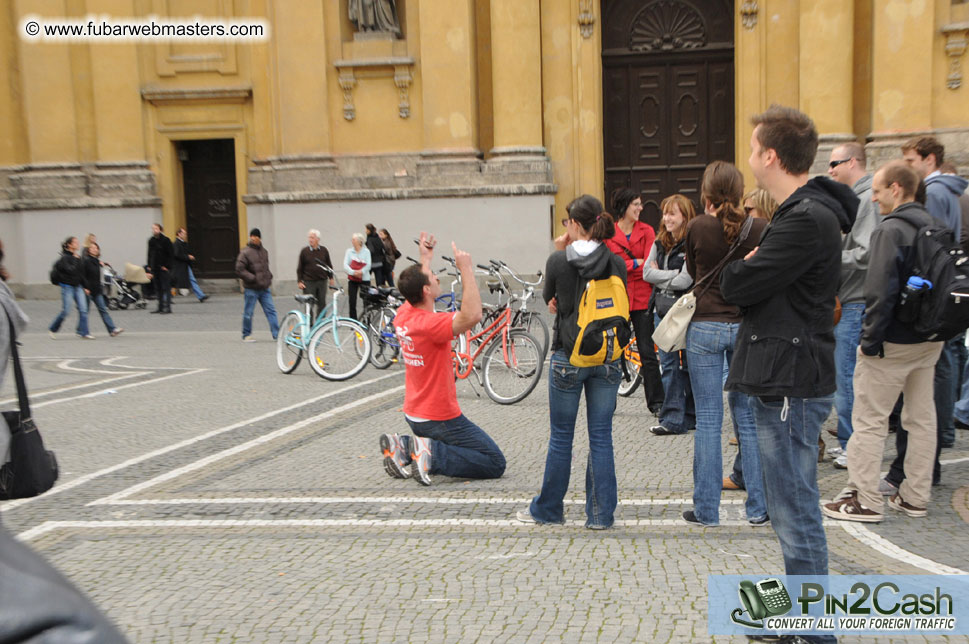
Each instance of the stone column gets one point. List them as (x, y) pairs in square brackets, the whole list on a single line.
[(447, 79), (516, 72), (826, 72), (901, 82)]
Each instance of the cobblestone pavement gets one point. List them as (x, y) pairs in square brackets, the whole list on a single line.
[(206, 497)]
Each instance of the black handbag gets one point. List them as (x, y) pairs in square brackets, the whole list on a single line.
[(32, 470)]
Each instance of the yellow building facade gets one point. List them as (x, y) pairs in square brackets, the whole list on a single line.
[(478, 120)]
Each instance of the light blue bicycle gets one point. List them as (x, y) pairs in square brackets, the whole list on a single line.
[(338, 347)]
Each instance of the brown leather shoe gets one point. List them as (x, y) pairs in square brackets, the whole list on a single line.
[(728, 484)]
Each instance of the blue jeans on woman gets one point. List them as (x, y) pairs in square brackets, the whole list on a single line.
[(102, 305), (565, 386), (76, 295), (708, 345), (679, 413)]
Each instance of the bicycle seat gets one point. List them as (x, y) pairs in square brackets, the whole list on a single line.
[(388, 290), (305, 299)]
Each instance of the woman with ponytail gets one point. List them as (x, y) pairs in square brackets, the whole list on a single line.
[(581, 255), (710, 342), (632, 242)]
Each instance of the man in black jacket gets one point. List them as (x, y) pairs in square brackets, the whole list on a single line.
[(160, 255), (784, 357), (893, 360)]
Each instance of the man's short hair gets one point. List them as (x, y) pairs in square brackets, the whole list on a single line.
[(854, 150), (924, 146), (411, 283), (314, 232), (791, 134), (900, 173)]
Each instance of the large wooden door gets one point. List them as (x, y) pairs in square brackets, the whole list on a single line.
[(211, 209), (668, 96)]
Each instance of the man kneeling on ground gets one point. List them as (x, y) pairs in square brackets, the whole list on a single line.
[(445, 442)]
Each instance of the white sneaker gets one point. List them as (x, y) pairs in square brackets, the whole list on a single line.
[(835, 451), (53, 336), (841, 463), (248, 338), (85, 337)]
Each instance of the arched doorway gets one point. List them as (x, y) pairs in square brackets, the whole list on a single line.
[(668, 95)]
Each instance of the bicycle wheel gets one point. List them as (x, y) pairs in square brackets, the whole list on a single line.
[(535, 325), (383, 342), (339, 350), (512, 369), (626, 388), (289, 344)]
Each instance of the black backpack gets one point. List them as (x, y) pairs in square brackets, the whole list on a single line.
[(940, 311)]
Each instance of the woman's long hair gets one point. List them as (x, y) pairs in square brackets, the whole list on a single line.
[(65, 246), (665, 237), (762, 202), (723, 187), (393, 246), (588, 212)]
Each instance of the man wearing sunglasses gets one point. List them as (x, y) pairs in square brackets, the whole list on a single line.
[(847, 166)]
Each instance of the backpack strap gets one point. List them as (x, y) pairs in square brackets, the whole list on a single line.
[(741, 238)]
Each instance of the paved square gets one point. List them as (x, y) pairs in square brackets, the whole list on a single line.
[(206, 497)]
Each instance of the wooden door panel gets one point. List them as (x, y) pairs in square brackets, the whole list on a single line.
[(211, 209)]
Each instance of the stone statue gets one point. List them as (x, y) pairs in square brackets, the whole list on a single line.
[(375, 15)]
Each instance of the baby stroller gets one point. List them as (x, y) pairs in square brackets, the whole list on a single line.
[(120, 291)]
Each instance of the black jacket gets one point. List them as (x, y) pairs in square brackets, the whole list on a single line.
[(68, 269), (566, 273), (785, 345), (91, 274), (181, 264), (889, 267), (376, 247), (160, 253)]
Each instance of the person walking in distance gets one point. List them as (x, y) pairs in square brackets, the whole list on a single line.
[(377, 263), (92, 286), (445, 442), (311, 277), (68, 274), (784, 356), (160, 257), (183, 276), (632, 243), (252, 267)]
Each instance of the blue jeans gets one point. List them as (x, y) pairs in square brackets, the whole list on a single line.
[(461, 449), (847, 336), (194, 284), (265, 299), (102, 305), (76, 295), (565, 386), (947, 374), (679, 414), (708, 346), (788, 442)]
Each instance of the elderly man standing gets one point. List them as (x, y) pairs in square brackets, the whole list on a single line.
[(310, 275), (252, 267)]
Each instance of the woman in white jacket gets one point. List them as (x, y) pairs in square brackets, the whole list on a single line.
[(356, 263)]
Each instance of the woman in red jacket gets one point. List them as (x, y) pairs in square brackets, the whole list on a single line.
[(632, 242)]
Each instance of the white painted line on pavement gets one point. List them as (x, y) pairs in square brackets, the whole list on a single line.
[(886, 547), (81, 480), (218, 456), (953, 461), (50, 526), (326, 500), (101, 392), (85, 385), (66, 366)]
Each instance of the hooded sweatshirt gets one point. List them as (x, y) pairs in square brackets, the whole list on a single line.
[(11, 311), (566, 274), (942, 193), (855, 251), (785, 344)]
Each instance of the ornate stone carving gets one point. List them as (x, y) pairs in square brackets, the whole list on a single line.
[(748, 14), (587, 18), (348, 81), (665, 25), (402, 80), (956, 37)]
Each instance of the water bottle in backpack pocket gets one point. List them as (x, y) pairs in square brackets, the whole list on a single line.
[(910, 299)]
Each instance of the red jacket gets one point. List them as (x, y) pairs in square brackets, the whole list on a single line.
[(640, 241)]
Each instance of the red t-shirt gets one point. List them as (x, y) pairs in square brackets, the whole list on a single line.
[(425, 343)]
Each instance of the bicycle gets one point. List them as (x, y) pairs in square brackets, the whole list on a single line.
[(379, 310), (633, 365), (338, 347), (531, 321)]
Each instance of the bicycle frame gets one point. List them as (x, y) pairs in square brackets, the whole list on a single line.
[(464, 362), (327, 315)]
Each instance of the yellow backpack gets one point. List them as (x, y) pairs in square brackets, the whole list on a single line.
[(603, 323)]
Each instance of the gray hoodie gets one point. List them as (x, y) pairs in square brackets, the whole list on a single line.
[(20, 319), (942, 200), (854, 251)]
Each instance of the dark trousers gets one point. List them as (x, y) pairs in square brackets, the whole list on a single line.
[(352, 290), (316, 288), (163, 289), (652, 383), (380, 275)]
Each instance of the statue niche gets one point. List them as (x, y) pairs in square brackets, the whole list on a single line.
[(375, 16)]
